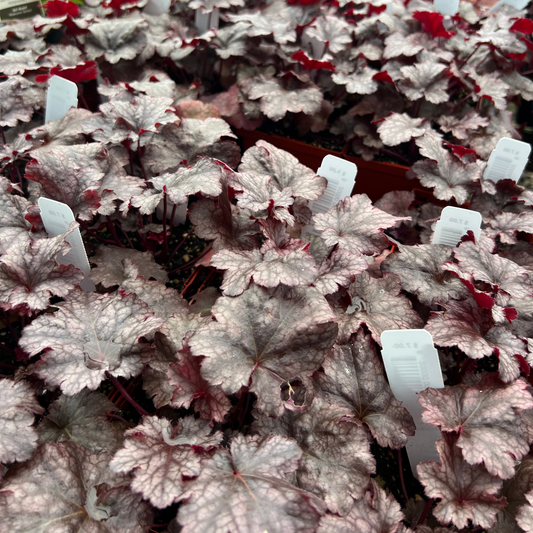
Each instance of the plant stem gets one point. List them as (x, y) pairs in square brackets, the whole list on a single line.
[(93, 233), (112, 230), (402, 482), (3, 135), (178, 247), (140, 158), (190, 264), (125, 235), (164, 251), (425, 512), (141, 410)]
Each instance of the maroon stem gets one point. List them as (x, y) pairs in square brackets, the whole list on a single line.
[(117, 417), (425, 512), (141, 410), (81, 97), (113, 231), (125, 235), (178, 247), (404, 490), (190, 264), (140, 157), (164, 251), (93, 233)]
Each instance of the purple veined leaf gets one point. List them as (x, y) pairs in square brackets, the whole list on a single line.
[(65, 56), (376, 511), (338, 270), (163, 301), (18, 439), (19, 98), (519, 85), (232, 40), (68, 486), (503, 274), (82, 419), (277, 237), (13, 62), (378, 304), (261, 196), (204, 176), (354, 378), (187, 141), (13, 209), (400, 128), (208, 5), (524, 515), (88, 335), (115, 39), (263, 339), (467, 492), (506, 225), (425, 80), (279, 96), (460, 128), (397, 45), (226, 224), (361, 81), (13, 151), (448, 177), (336, 463), (284, 169), (485, 418), (398, 204), (65, 181), (419, 269), (332, 30), (356, 225), (490, 87), (252, 476), (469, 327), (161, 455), (507, 196), (30, 274), (188, 386), (111, 270)]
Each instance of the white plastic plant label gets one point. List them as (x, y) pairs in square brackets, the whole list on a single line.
[(446, 7), (454, 223), (341, 176), (56, 219), (507, 160), (19, 9), (412, 365), (180, 215), (518, 4), (205, 21), (61, 96)]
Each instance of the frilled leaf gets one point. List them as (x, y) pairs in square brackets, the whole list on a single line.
[(18, 439), (14, 62), (278, 97), (361, 81), (506, 225), (30, 274), (65, 488), (466, 492), (268, 270), (503, 274), (397, 45), (332, 30), (336, 463), (419, 269), (82, 419), (524, 515), (465, 325), (252, 477), (284, 169), (64, 131), (355, 224), (461, 128), (398, 203), (111, 268), (19, 98), (400, 128), (264, 339), (161, 454), (425, 80), (339, 270), (485, 417), (188, 385), (88, 335), (354, 378), (378, 304), (376, 511)]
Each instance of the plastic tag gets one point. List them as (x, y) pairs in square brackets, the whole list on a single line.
[(56, 218), (341, 176), (412, 365), (517, 4), (61, 96), (454, 223), (19, 9), (507, 160), (156, 7), (205, 21), (446, 7), (180, 215)]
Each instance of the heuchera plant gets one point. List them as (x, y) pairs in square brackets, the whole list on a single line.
[(250, 395)]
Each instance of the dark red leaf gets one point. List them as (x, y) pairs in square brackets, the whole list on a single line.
[(432, 24), (459, 150), (522, 26), (58, 8), (311, 64), (528, 43), (86, 71), (376, 9), (383, 76), (510, 314)]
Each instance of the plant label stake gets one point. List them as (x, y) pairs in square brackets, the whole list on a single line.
[(56, 218), (205, 21), (19, 9), (61, 96), (454, 223), (518, 4), (180, 215), (446, 7), (341, 176), (507, 160), (412, 365)]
